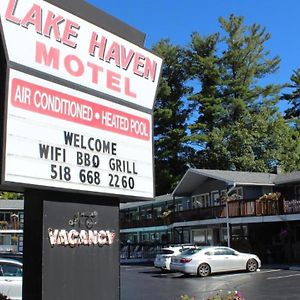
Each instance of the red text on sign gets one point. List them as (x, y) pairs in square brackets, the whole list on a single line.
[(45, 101), (76, 67), (62, 29)]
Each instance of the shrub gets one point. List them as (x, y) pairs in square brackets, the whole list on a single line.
[(221, 295), (2, 297)]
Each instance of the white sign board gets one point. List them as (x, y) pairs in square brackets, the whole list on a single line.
[(63, 138), (51, 40)]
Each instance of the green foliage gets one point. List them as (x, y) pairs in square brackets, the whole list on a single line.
[(186, 297), (170, 116), (229, 119), (293, 113), (11, 196), (236, 115), (221, 295)]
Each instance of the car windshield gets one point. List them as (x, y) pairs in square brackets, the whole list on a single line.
[(183, 249), (166, 251), (10, 270)]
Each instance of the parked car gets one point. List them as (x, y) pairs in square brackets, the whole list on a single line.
[(163, 260), (11, 272), (13, 255), (203, 261)]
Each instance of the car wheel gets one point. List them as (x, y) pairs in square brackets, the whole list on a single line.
[(204, 270), (251, 265)]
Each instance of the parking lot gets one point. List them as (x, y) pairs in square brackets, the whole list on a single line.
[(148, 283)]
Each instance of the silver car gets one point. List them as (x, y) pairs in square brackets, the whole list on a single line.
[(163, 259), (203, 261), (11, 278)]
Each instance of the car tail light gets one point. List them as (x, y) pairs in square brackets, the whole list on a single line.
[(185, 260)]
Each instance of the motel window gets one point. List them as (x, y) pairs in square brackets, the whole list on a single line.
[(20, 243), (157, 211), (143, 214), (196, 202), (21, 217), (203, 236), (239, 232), (135, 215), (238, 192), (5, 216), (202, 200), (223, 194), (215, 198), (149, 214), (223, 235), (135, 238), (188, 204), (179, 206), (5, 239)]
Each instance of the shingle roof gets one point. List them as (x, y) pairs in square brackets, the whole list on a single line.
[(11, 204), (158, 199), (195, 177), (238, 176), (288, 178)]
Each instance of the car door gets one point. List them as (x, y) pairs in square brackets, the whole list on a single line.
[(232, 261), (11, 280), (215, 258)]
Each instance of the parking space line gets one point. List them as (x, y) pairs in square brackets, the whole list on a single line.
[(128, 268), (246, 273), (270, 271), (284, 276)]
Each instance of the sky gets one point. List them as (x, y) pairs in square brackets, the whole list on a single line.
[(177, 19)]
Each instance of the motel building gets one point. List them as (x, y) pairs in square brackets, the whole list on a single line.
[(260, 212), (11, 225), (251, 212)]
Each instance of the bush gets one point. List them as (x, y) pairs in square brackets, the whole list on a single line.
[(232, 295), (2, 297)]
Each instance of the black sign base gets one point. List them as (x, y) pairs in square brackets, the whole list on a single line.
[(71, 247)]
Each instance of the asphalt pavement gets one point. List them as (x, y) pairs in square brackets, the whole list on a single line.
[(270, 283)]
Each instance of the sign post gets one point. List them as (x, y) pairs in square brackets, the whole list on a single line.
[(71, 248), (77, 140)]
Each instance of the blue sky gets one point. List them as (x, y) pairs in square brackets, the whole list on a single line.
[(177, 19)]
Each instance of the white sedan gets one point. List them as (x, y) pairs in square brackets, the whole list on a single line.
[(203, 261), (11, 278), (163, 260)]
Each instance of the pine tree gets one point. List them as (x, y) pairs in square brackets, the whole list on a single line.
[(170, 117), (237, 115), (229, 119), (293, 113)]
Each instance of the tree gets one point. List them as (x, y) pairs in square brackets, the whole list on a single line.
[(11, 196), (170, 117), (293, 113), (237, 115), (230, 119)]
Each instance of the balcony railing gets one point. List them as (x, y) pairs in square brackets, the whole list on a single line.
[(236, 208), (4, 225), (143, 223), (199, 214), (242, 208)]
